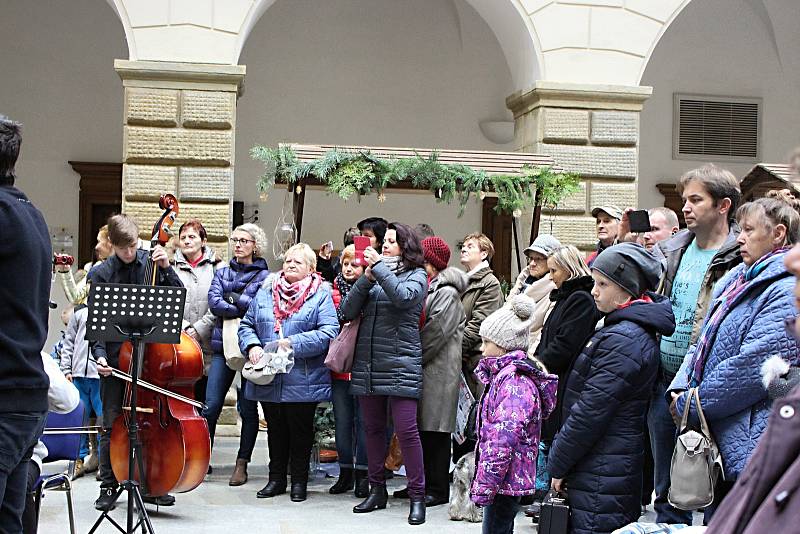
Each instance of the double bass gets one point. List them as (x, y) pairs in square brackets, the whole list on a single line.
[(175, 445)]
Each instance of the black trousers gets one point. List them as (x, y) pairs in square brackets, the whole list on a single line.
[(30, 523), (436, 457), (290, 436), (112, 391)]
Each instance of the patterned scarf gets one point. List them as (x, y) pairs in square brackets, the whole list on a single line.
[(344, 288), (720, 308), (394, 263), (287, 298)]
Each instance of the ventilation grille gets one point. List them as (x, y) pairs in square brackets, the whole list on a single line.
[(717, 128)]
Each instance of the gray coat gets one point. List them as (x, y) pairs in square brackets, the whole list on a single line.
[(482, 297), (441, 351), (388, 357), (197, 281)]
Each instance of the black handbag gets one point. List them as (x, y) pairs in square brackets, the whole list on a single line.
[(554, 514)]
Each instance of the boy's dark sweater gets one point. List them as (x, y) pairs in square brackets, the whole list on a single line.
[(25, 269), (114, 271)]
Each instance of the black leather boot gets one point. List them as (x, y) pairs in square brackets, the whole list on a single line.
[(273, 488), (345, 482), (375, 501), (362, 483), (416, 513), (299, 492)]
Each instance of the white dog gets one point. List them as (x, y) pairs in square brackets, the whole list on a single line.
[(461, 507)]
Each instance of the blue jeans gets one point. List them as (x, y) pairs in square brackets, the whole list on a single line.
[(498, 517), (663, 435), (89, 390), (350, 438), (19, 432), (220, 378)]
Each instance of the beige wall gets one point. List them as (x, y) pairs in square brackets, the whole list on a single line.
[(740, 54)]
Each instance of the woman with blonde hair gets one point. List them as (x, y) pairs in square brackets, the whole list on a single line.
[(232, 289), (293, 309), (566, 331)]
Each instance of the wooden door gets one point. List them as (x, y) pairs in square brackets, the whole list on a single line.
[(499, 228), (100, 197)]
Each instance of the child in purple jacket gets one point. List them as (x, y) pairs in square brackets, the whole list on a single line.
[(519, 395)]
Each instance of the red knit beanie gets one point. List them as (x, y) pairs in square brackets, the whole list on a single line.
[(436, 252)]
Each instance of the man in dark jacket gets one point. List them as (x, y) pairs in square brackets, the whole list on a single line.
[(25, 256), (696, 258), (126, 266)]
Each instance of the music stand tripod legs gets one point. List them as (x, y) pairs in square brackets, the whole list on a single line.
[(130, 485), (139, 314)]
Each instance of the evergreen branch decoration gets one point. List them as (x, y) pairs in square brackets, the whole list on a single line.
[(347, 173)]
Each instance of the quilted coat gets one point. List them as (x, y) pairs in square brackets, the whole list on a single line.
[(310, 330), (197, 281), (241, 278), (441, 351), (569, 326), (599, 449), (518, 397), (732, 395), (388, 357)]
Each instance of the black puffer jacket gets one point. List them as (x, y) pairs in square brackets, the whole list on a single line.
[(599, 449), (388, 358), (566, 331)]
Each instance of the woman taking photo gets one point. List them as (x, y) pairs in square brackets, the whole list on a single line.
[(195, 264), (229, 297), (744, 327), (293, 310), (387, 368)]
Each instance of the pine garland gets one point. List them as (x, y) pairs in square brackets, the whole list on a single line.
[(347, 173)]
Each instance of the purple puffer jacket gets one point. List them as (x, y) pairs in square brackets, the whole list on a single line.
[(519, 397)]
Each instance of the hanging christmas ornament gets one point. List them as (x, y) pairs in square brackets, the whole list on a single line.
[(285, 234), (517, 213), (482, 195), (381, 197), (264, 196), (298, 189)]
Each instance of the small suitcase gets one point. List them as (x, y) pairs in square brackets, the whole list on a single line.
[(554, 515)]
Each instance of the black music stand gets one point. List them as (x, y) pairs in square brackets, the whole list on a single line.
[(139, 314)]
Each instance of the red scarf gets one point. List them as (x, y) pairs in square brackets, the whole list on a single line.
[(288, 298)]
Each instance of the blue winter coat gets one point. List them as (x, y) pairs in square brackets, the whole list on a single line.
[(244, 279), (310, 330), (732, 395), (388, 357), (599, 449)]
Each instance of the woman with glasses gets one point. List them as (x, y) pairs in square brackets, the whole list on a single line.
[(232, 289), (743, 328)]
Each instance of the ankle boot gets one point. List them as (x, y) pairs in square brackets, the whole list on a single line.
[(362, 483), (416, 513), (299, 491), (239, 475), (375, 501), (345, 482)]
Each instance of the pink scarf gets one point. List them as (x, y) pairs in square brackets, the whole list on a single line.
[(287, 298)]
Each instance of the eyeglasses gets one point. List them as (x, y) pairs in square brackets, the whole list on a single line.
[(790, 323), (237, 241)]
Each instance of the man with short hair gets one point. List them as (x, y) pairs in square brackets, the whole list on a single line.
[(607, 220), (481, 298), (25, 267), (696, 258), (125, 266), (663, 225)]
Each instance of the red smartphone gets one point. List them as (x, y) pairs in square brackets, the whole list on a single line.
[(361, 243)]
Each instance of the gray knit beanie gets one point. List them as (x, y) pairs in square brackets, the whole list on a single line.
[(630, 266), (510, 326)]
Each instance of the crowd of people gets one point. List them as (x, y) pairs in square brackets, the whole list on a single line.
[(579, 375)]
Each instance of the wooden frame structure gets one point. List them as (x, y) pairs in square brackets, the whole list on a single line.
[(494, 225)]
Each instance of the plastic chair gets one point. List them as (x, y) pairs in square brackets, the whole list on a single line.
[(61, 447)]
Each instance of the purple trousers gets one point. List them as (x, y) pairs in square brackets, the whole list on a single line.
[(404, 414)]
